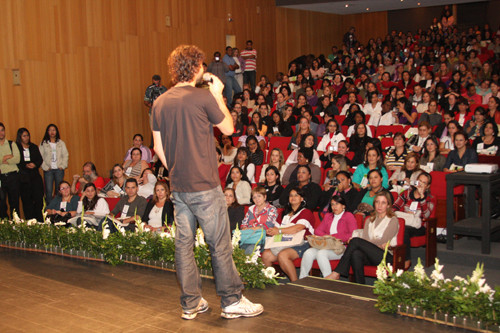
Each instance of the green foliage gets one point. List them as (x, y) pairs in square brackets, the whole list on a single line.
[(115, 247)]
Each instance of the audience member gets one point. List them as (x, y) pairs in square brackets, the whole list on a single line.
[(55, 160)]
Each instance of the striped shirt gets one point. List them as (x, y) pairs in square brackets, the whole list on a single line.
[(250, 64)]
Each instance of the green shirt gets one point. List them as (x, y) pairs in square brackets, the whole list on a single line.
[(11, 164)]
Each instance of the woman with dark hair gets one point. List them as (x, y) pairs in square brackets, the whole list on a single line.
[(287, 94), (358, 117), (459, 157), (279, 127), (330, 141), (337, 223), (55, 159), (301, 101), (136, 166), (251, 130), (159, 211), (115, 188), (256, 154), (402, 178), (489, 143), (380, 228), (248, 99), (311, 97), (312, 191), (272, 184), (343, 187), (228, 149), (222, 168), (235, 211), (307, 141), (31, 183), (494, 109), (317, 72), (447, 143), (238, 126), (64, 205), (295, 218), (407, 115), (303, 128), (431, 159), (463, 115), (357, 143), (242, 160), (137, 143), (238, 181), (259, 124), (288, 117), (474, 127), (417, 204), (94, 208), (373, 160)]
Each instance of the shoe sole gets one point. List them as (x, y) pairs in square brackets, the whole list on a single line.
[(238, 315), (190, 316)]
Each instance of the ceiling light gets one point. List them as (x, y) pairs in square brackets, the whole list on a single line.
[(367, 8), (418, 3), (346, 5)]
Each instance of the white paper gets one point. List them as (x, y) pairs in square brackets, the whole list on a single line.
[(124, 211), (26, 153), (63, 205)]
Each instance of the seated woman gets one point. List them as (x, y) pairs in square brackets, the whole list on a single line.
[(461, 156), (337, 223), (235, 211), (330, 141), (259, 124), (228, 149), (256, 155), (342, 150), (373, 160), (222, 168), (406, 113), (358, 118), (367, 195), (446, 145), (159, 211), (251, 130), (303, 128), (272, 185), (237, 124), (137, 143), (277, 160), (288, 116), (134, 167), (402, 178), (431, 159), (279, 127), (260, 215), (312, 191), (381, 228), (343, 188), (296, 217), (432, 115), (338, 164), (238, 181), (475, 127), (357, 143), (242, 160), (116, 186), (93, 207), (304, 157), (394, 159), (416, 201), (489, 143), (307, 141), (147, 184), (63, 206)]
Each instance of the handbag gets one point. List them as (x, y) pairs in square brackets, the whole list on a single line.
[(411, 220), (326, 243), (252, 237), (285, 241)]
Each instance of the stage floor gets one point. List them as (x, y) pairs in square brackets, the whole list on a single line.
[(45, 293)]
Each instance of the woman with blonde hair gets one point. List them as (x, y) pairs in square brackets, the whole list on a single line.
[(277, 159)]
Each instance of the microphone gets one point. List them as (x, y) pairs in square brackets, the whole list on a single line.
[(207, 78)]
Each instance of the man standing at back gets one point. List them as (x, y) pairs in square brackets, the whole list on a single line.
[(249, 54), (182, 122)]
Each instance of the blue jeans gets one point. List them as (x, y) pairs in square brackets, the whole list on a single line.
[(52, 176), (209, 209), (230, 86)]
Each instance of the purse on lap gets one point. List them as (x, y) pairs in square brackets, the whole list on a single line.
[(326, 243)]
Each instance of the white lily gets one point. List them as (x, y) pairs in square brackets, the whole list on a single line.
[(270, 272), (235, 241), (381, 272)]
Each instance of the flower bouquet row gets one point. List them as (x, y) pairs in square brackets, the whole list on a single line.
[(141, 246), (464, 302)]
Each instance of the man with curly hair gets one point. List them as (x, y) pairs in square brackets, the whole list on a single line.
[(182, 121)]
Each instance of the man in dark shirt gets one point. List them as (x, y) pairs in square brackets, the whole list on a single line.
[(182, 122), (130, 207)]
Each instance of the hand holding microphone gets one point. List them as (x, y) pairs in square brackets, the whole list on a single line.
[(214, 83)]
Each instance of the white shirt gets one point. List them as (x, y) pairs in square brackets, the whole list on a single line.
[(376, 119), (293, 158), (350, 131), (53, 161), (155, 217), (369, 109), (101, 208), (346, 107), (335, 223), (286, 222), (334, 141)]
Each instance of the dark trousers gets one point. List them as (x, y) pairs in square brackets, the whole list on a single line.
[(250, 77), (32, 197), (10, 188), (359, 253), (411, 232)]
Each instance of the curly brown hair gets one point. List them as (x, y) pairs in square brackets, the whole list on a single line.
[(184, 62)]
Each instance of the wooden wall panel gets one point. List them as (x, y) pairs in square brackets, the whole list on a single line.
[(86, 63), (368, 25)]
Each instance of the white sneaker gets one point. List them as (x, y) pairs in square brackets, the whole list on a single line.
[(242, 308), (191, 314)]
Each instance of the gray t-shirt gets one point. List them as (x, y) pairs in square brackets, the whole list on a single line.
[(184, 116)]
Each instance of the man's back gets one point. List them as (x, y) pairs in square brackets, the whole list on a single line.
[(184, 116)]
